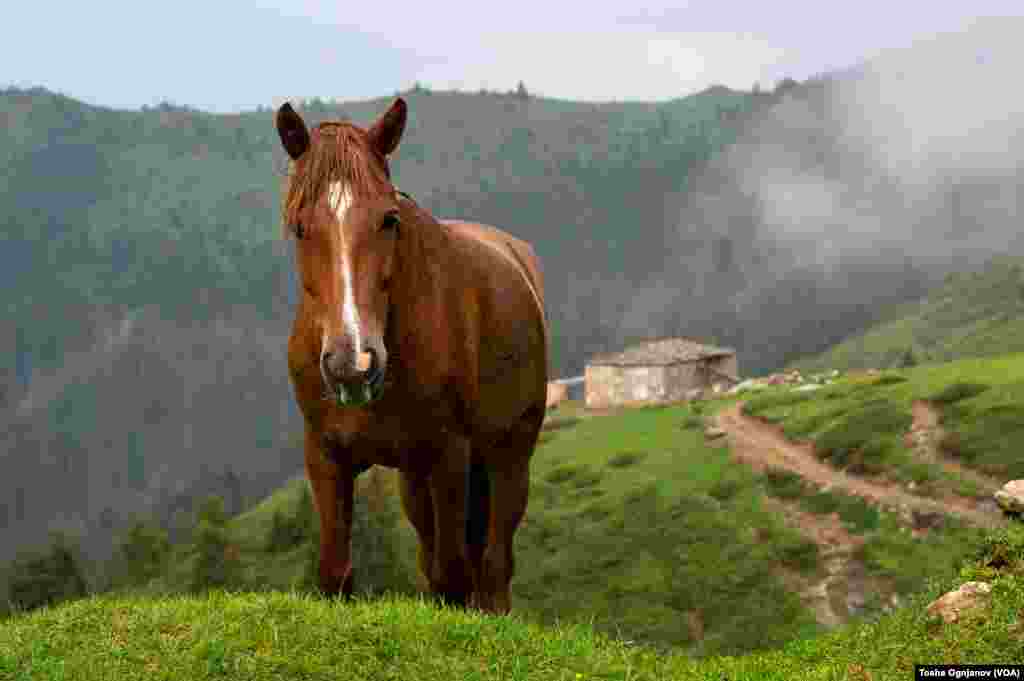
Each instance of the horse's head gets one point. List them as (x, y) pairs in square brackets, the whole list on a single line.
[(342, 210)]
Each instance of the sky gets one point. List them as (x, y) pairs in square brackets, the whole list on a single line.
[(232, 56)]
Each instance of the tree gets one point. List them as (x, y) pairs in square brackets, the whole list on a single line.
[(785, 85), (216, 560), (143, 551)]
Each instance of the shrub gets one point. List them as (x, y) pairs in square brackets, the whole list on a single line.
[(288, 530), (623, 459), (692, 422), (783, 483), (143, 552), (859, 428), (955, 392), (47, 577), (762, 403)]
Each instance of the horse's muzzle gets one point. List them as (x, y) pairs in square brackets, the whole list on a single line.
[(353, 384)]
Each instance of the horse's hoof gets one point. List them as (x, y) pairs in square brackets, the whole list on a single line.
[(340, 587), (458, 599)]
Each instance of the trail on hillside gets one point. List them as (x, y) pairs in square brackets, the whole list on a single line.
[(841, 591), (926, 433), (762, 445)]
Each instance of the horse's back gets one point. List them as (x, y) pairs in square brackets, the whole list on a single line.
[(509, 247)]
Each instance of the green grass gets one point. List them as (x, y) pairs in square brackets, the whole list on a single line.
[(635, 526), (293, 636), (859, 423), (859, 516), (383, 548), (641, 529), (631, 519)]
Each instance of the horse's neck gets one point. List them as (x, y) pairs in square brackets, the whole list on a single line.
[(422, 255)]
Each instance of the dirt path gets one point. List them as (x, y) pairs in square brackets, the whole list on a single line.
[(762, 445), (840, 591), (926, 433)]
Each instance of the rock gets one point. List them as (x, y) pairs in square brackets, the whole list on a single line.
[(968, 597), (1011, 497), (749, 384), (695, 394), (557, 392), (713, 433)]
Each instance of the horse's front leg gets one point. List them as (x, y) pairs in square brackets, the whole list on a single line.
[(333, 487)]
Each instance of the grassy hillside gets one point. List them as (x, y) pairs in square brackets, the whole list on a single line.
[(978, 313), (860, 423), (646, 553), (281, 635)]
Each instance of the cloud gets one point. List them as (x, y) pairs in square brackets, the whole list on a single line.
[(620, 64)]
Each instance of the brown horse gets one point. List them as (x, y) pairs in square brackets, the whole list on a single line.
[(419, 345)]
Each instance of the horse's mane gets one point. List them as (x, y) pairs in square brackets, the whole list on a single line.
[(338, 151)]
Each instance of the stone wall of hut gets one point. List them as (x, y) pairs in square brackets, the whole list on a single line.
[(612, 386)]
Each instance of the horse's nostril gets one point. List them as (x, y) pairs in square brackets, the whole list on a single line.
[(364, 361), (332, 367)]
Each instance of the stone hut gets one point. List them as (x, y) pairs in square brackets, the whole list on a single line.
[(658, 371)]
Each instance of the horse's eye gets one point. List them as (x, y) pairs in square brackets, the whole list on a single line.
[(390, 222), (299, 231)]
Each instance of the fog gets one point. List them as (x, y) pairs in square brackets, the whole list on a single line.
[(853, 191)]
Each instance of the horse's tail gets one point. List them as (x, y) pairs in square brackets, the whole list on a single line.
[(478, 505)]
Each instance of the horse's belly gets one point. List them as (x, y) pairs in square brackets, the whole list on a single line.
[(507, 394)]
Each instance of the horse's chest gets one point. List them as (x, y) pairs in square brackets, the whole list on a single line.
[(400, 439)]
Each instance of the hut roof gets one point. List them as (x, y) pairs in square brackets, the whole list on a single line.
[(661, 353)]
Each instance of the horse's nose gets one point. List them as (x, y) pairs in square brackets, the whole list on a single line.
[(363, 368)]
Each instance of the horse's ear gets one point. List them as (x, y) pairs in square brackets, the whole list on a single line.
[(292, 130), (387, 131)]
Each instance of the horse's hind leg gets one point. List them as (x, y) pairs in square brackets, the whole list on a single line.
[(509, 472), (419, 509), (478, 513), (450, 574)]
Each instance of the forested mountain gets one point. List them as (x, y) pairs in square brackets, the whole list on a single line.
[(148, 293)]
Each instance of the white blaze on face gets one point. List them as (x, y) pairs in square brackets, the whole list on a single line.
[(340, 197)]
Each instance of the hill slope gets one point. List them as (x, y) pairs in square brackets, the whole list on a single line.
[(270, 636), (641, 527), (975, 313)]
